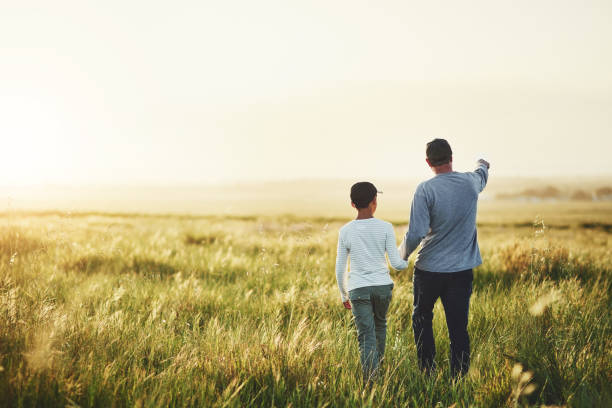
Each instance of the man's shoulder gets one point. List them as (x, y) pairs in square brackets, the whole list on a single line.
[(441, 182), (425, 185), (476, 178)]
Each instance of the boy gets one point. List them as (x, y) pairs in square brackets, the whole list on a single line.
[(365, 240)]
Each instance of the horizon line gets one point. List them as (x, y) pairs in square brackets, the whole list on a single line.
[(223, 183)]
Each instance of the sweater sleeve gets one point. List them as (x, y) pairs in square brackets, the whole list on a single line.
[(396, 261), (341, 262), (419, 222), (480, 176)]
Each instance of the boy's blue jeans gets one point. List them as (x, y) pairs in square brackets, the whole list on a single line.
[(454, 289), (369, 307)]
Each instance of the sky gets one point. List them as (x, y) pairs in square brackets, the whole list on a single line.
[(186, 92)]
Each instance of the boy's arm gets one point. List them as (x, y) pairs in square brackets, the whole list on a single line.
[(396, 261), (341, 258), (419, 222)]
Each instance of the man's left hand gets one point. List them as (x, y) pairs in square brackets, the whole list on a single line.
[(347, 304)]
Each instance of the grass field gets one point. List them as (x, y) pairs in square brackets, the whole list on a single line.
[(144, 310)]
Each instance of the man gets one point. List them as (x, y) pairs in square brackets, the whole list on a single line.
[(443, 220)]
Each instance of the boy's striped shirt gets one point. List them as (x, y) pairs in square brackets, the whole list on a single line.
[(366, 242)]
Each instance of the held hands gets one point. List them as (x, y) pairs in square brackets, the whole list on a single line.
[(483, 161), (402, 249), (347, 304)]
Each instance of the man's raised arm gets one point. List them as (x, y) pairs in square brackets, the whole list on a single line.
[(482, 174)]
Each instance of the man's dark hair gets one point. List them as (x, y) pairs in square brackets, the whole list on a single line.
[(363, 193), (438, 152)]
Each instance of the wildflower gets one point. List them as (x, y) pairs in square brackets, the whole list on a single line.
[(516, 371), (538, 308), (12, 260), (522, 382)]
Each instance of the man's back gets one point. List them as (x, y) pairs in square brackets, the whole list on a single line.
[(443, 219), (443, 216)]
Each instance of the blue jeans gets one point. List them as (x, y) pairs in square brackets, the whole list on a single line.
[(455, 290), (369, 307)]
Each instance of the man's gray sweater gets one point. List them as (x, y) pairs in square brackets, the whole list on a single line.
[(443, 219)]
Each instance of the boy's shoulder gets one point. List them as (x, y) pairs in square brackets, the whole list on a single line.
[(384, 223), (372, 222), (345, 227), (389, 227)]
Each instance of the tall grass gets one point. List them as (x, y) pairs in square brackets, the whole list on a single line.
[(166, 311)]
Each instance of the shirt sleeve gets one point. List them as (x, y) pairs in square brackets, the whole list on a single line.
[(396, 261), (341, 261), (480, 176), (419, 221)]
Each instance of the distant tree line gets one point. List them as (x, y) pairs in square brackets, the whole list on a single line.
[(553, 193)]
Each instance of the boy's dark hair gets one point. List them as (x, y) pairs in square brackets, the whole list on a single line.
[(438, 152), (363, 193)]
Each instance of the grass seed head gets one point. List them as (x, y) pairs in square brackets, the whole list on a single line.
[(516, 371)]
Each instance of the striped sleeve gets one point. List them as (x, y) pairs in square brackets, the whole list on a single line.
[(396, 261), (341, 262)]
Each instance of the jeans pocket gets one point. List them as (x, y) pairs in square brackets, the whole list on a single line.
[(359, 294), (389, 292), (468, 278)]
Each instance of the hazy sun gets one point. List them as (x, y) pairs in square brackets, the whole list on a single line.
[(33, 133)]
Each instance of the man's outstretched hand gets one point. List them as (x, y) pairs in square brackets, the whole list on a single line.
[(483, 161), (347, 304)]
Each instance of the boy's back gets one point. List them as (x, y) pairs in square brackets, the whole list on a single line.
[(365, 241)]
